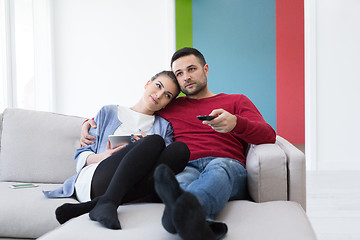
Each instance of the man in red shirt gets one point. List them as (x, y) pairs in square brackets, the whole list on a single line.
[(216, 171)]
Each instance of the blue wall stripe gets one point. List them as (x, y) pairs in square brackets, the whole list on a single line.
[(237, 38)]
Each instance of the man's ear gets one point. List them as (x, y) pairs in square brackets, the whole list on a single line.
[(206, 69)]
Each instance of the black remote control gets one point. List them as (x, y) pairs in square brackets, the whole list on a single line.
[(205, 117)]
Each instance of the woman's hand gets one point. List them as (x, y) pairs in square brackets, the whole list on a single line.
[(110, 151), (95, 158), (135, 138), (85, 136)]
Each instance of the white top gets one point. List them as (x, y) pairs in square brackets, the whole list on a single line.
[(131, 123)]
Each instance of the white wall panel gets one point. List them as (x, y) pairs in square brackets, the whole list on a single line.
[(338, 84), (106, 50)]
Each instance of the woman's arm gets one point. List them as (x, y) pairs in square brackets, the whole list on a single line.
[(98, 157)]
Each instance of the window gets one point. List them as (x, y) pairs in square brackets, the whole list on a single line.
[(25, 45)]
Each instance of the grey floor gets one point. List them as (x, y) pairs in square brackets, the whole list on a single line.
[(333, 204)]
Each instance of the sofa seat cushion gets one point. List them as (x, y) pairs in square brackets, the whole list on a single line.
[(26, 213), (278, 220)]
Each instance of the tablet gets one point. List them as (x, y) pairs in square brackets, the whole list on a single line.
[(116, 141)]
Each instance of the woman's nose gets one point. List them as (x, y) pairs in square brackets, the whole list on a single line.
[(160, 94)]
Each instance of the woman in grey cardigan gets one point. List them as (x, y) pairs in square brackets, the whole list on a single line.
[(109, 176)]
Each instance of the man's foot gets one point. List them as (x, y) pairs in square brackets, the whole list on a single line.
[(105, 212), (168, 189), (68, 211), (189, 219), (219, 229)]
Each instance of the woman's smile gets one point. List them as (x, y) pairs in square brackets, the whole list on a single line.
[(154, 99)]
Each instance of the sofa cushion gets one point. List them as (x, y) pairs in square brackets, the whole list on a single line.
[(274, 220), (266, 165), (279, 220), (26, 213), (38, 146)]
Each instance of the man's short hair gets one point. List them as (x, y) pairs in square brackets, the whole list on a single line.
[(186, 51)]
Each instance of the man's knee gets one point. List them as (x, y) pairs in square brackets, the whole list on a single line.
[(187, 176), (220, 164), (227, 168)]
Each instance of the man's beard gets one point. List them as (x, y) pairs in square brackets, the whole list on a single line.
[(195, 90)]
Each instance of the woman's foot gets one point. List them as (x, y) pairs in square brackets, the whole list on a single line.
[(68, 211), (105, 212)]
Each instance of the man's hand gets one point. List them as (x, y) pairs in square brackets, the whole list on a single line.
[(85, 136), (223, 123)]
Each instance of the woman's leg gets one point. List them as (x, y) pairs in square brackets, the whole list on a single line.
[(136, 164), (175, 156), (102, 180)]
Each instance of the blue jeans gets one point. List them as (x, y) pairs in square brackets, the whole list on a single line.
[(214, 181)]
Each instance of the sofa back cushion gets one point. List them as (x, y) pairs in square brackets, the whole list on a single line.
[(38, 146)]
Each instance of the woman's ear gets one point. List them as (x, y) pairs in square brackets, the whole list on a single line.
[(147, 84)]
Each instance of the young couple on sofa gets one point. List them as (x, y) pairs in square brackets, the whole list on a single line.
[(194, 166)]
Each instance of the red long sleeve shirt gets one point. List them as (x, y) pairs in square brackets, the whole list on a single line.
[(203, 141)]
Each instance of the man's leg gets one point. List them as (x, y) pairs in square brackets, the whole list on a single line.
[(221, 180), (188, 175), (183, 212), (184, 178)]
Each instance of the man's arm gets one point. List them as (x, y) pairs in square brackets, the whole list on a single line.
[(247, 123), (254, 132), (85, 136)]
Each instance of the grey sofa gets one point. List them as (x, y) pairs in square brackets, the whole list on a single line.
[(38, 147)]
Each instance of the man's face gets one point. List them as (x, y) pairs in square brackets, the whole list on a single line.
[(190, 74)]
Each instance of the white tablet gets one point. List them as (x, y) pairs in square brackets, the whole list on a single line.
[(116, 141)]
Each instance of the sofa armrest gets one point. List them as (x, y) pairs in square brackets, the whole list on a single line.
[(1, 122), (267, 173), (296, 166)]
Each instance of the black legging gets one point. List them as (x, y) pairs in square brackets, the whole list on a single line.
[(127, 175)]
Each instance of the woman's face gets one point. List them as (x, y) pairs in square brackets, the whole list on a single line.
[(159, 92)]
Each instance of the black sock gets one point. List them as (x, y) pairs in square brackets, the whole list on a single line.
[(168, 190), (68, 211), (189, 219), (105, 212), (219, 228)]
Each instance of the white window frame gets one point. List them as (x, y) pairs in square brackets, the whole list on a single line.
[(43, 54), (310, 85), (7, 46)]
